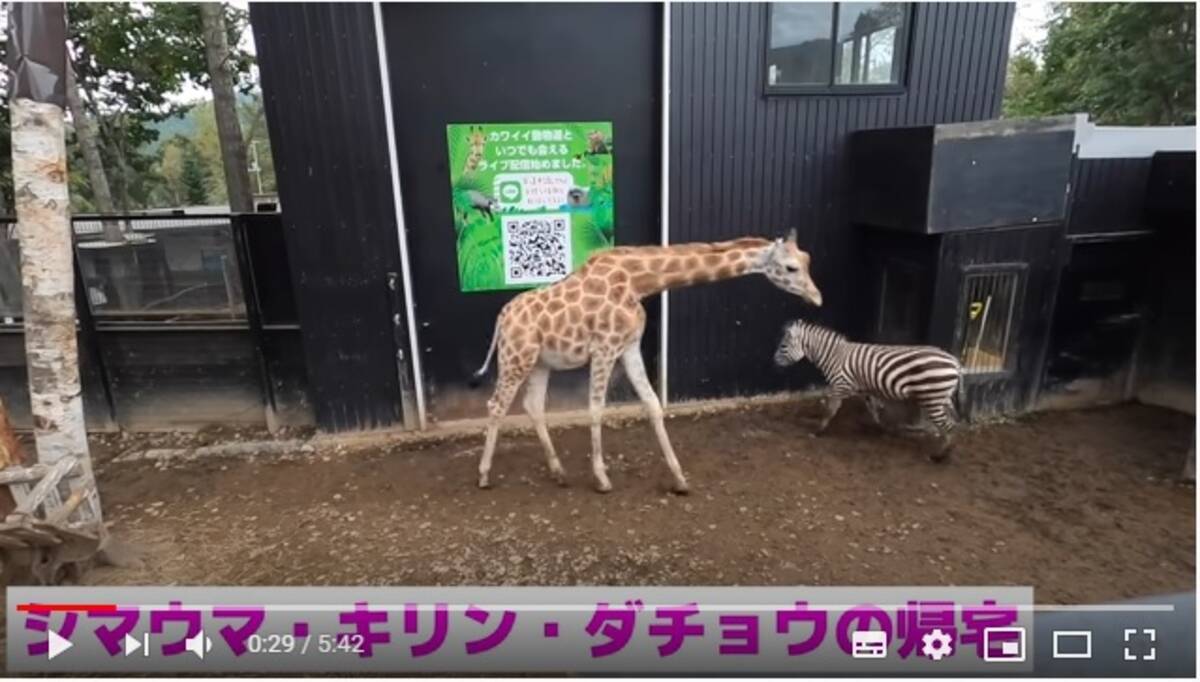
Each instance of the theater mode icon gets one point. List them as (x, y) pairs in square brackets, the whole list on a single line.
[(1072, 643)]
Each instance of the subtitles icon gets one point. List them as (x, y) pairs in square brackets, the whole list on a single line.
[(868, 644), (1004, 645)]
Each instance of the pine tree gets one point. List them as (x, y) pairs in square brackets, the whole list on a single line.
[(195, 177)]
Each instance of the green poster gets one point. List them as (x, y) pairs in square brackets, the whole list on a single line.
[(531, 201)]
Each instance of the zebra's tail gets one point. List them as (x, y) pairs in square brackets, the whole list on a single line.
[(956, 399), (477, 377)]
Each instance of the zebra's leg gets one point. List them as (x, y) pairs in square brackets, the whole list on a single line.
[(939, 414), (873, 408), (833, 403)]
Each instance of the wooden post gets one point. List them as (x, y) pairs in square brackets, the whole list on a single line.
[(38, 67)]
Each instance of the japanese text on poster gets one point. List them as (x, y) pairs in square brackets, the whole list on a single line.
[(531, 201)]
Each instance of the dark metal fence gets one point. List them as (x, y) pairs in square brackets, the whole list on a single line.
[(184, 320)]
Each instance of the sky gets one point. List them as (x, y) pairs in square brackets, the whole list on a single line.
[(1030, 23)]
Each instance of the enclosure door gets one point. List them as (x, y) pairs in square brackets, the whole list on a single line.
[(993, 309), (514, 63)]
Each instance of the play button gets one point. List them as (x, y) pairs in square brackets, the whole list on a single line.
[(57, 645), (131, 645)]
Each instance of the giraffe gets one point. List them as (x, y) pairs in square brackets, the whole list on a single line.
[(595, 316)]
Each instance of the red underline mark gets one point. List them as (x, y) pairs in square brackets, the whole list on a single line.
[(66, 607)]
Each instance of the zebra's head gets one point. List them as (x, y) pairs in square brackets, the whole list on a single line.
[(792, 347), (786, 265)]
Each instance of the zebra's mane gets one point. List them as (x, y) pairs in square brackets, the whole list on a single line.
[(816, 331)]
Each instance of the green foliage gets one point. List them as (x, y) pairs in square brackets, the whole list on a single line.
[(132, 61), (193, 176), (1123, 63)]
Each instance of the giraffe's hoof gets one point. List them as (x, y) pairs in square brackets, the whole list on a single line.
[(603, 487), (560, 477), (484, 484), (681, 488)]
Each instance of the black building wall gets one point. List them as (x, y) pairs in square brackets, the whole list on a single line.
[(1108, 195), (324, 107), (743, 163)]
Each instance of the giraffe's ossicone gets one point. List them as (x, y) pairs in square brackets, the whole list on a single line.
[(595, 316)]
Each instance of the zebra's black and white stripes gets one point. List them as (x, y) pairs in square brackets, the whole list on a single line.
[(924, 375)]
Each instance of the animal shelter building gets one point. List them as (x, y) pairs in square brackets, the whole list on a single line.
[(433, 160)]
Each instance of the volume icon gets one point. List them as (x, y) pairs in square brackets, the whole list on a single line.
[(199, 645)]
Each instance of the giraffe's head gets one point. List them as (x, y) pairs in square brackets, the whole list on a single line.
[(476, 137), (787, 267)]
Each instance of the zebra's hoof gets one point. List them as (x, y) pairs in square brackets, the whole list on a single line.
[(939, 456)]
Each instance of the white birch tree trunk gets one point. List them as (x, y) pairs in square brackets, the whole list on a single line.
[(48, 280)]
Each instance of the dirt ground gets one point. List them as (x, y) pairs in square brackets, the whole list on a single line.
[(1085, 506)]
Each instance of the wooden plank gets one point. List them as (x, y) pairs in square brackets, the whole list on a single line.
[(31, 535), (20, 491), (29, 474), (47, 485), (9, 542), (23, 474), (62, 513), (64, 533)]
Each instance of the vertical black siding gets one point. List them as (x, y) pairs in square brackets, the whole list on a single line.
[(1108, 195), (324, 106), (746, 164)]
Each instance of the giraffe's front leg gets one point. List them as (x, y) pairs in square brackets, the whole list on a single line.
[(635, 368), (602, 366)]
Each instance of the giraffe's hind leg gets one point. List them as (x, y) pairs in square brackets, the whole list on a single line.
[(535, 406), (513, 370)]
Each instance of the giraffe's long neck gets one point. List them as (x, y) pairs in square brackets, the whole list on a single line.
[(654, 269)]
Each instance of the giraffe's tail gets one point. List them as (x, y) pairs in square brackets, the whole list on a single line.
[(477, 377)]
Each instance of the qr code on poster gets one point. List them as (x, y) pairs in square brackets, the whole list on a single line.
[(537, 248)]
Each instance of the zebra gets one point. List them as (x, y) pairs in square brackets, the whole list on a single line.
[(928, 376)]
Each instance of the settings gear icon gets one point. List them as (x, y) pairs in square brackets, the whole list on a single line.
[(937, 644)]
